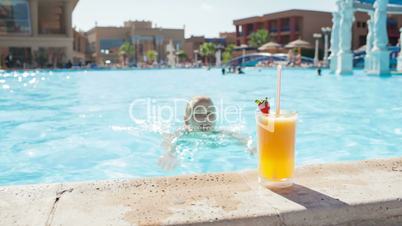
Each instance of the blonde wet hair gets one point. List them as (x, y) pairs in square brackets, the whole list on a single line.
[(205, 106)]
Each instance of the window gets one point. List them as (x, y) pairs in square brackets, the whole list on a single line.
[(111, 43), (91, 47), (250, 28), (362, 40), (272, 26), (298, 24), (14, 17), (177, 44), (51, 16), (361, 24), (285, 24), (392, 25), (21, 56)]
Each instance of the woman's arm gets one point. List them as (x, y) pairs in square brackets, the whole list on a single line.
[(168, 160), (245, 140)]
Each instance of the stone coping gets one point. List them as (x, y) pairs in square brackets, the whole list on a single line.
[(356, 193)]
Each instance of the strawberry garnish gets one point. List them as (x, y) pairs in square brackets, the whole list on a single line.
[(263, 105)]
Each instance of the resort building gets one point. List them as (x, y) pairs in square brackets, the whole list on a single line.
[(289, 25), (192, 44), (284, 26), (230, 37), (36, 32), (360, 29), (104, 42), (80, 47)]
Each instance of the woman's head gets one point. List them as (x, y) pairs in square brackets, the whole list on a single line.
[(200, 114)]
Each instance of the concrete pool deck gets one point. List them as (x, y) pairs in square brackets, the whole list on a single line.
[(356, 193)]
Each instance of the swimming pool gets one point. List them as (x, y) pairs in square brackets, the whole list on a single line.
[(86, 125)]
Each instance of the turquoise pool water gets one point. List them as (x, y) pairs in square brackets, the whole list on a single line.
[(75, 126)]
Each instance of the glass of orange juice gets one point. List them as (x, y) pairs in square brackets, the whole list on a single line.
[(276, 134)]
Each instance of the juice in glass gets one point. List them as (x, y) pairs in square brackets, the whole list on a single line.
[(276, 148)]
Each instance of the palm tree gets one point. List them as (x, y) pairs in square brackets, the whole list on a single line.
[(207, 50), (258, 38), (127, 51), (181, 55), (227, 54), (151, 56)]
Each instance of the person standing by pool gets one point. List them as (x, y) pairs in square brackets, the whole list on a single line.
[(298, 59), (291, 57), (69, 65), (319, 70), (9, 61), (199, 120)]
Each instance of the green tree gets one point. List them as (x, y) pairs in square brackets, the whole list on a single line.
[(207, 50), (151, 56), (127, 51), (227, 54), (258, 38), (181, 55)]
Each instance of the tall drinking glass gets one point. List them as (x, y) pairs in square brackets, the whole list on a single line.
[(276, 136)]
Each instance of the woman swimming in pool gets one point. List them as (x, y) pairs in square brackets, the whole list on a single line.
[(200, 117)]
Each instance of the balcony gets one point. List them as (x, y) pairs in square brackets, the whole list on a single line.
[(52, 18)]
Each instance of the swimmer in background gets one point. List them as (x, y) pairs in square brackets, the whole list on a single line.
[(200, 117), (319, 69), (240, 71)]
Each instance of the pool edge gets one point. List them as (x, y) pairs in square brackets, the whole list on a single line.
[(357, 193)]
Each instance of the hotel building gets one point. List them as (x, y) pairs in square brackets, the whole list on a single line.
[(104, 42), (80, 47), (230, 37), (284, 26), (192, 44), (31, 29), (289, 25)]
